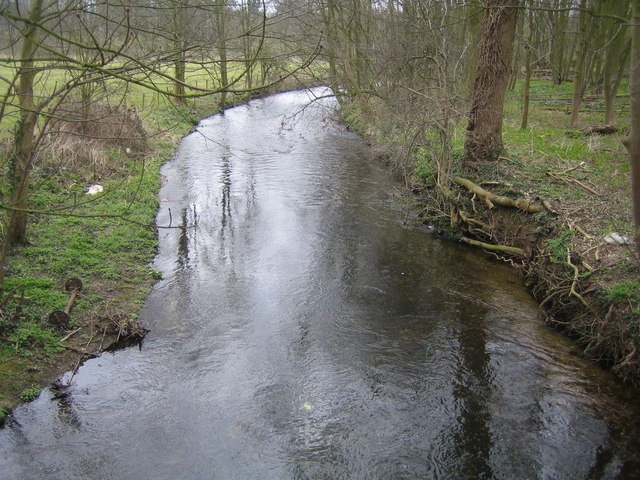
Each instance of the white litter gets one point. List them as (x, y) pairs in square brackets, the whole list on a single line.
[(93, 189), (616, 239)]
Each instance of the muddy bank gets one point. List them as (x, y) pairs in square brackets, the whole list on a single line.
[(25, 376)]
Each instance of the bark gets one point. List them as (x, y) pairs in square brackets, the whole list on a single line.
[(21, 156), (634, 137), (579, 75), (484, 130)]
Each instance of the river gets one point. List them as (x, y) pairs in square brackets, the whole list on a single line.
[(307, 328)]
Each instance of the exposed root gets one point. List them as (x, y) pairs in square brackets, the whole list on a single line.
[(498, 248), (491, 199), (576, 272)]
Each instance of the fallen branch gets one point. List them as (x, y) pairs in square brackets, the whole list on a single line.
[(570, 180), (66, 337), (81, 352), (496, 248), (491, 199)]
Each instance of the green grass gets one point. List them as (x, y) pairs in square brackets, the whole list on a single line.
[(624, 292), (30, 394)]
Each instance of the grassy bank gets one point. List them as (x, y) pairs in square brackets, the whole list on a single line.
[(587, 286), (108, 240)]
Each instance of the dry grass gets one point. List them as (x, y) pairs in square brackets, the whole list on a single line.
[(87, 141)]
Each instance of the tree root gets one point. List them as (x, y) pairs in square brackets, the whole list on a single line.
[(574, 281), (491, 199), (466, 219), (497, 248)]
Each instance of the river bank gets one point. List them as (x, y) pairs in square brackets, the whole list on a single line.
[(573, 249), (107, 239), (301, 329), (586, 286)]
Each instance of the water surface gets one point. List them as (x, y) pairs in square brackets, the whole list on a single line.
[(305, 328)]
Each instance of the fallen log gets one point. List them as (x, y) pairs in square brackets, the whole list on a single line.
[(491, 199)]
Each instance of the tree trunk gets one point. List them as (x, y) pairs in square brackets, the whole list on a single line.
[(580, 73), (179, 60), (21, 156), (612, 81), (559, 20), (616, 56), (634, 134), (221, 20), (484, 130), (527, 75), (179, 69)]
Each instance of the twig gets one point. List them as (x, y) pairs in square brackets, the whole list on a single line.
[(567, 180), (578, 228), (548, 206), (66, 337), (82, 352)]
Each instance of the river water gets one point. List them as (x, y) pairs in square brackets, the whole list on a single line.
[(306, 328)]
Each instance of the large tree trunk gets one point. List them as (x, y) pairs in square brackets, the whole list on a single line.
[(21, 156), (484, 131), (634, 140)]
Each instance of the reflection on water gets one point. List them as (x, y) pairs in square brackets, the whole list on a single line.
[(302, 331)]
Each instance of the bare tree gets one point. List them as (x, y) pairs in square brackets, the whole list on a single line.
[(135, 43)]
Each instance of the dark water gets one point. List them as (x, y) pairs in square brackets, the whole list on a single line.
[(301, 331)]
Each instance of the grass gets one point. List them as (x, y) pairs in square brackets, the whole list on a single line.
[(31, 393)]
